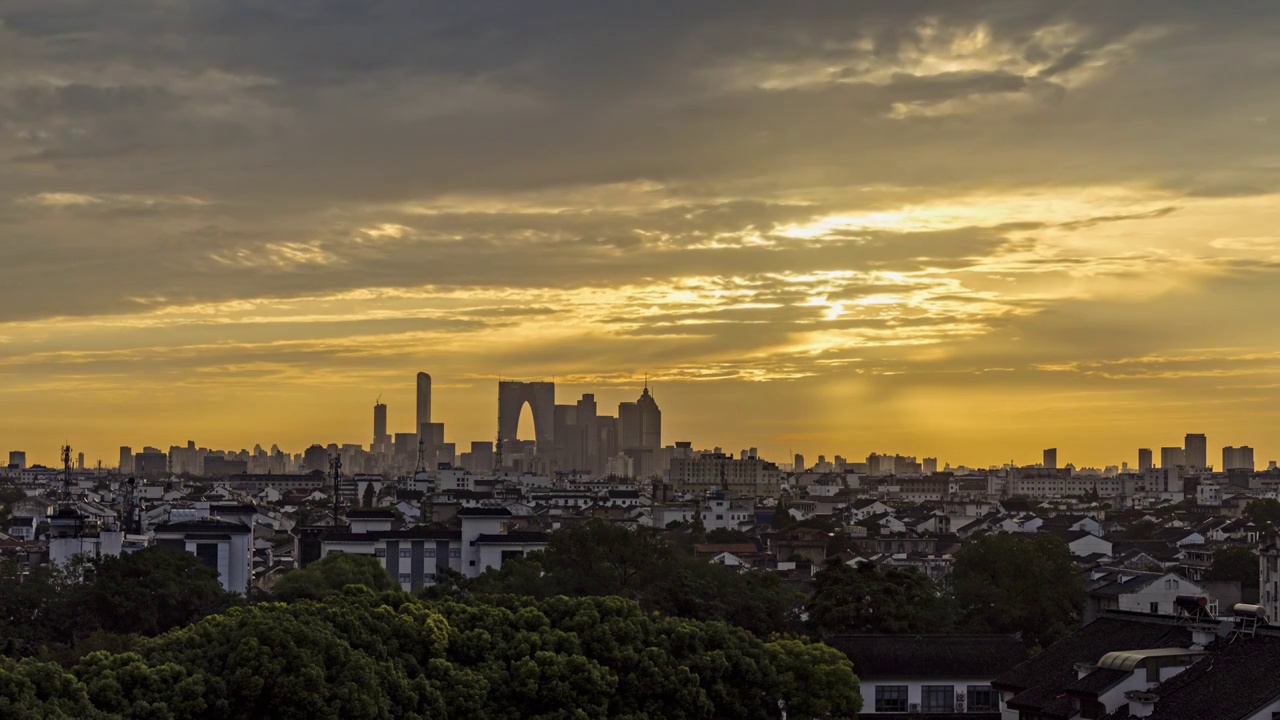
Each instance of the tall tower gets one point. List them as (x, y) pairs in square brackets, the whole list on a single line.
[(650, 420), (1145, 461), (1196, 449), (1050, 458), (380, 438), (424, 405)]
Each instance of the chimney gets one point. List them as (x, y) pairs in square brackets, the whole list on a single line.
[(1141, 703), (1203, 635)]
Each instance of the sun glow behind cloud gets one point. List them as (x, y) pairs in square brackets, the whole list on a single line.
[(902, 227)]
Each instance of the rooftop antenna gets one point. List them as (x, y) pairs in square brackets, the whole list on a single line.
[(422, 456)]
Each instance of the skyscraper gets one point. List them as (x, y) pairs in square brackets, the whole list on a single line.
[(1237, 458), (798, 463), (380, 438), (1196, 451), (1171, 457), (1050, 458), (126, 459), (640, 423), (424, 405), (1144, 459)]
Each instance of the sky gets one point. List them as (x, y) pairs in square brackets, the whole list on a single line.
[(964, 230)]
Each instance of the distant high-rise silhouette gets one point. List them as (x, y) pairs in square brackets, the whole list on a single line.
[(1145, 461), (424, 404), (1050, 458), (541, 398), (380, 438), (1196, 451), (1237, 458), (640, 423)]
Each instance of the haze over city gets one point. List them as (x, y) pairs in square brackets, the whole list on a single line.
[(964, 230)]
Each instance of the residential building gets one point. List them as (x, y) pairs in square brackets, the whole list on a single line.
[(1124, 666), (717, 471), (923, 675), (1109, 588), (1237, 458)]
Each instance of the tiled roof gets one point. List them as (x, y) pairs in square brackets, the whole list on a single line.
[(717, 548), (1096, 682), (1235, 682), (512, 538), (370, 515), (484, 512), (1040, 682), (420, 532), (203, 525), (930, 656)]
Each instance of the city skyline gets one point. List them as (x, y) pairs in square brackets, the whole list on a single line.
[(968, 230), (421, 406)]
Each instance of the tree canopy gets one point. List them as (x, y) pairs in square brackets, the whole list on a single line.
[(47, 608), (1263, 512), (1239, 564), (1011, 584), (330, 574), (365, 656), (869, 599), (603, 559)]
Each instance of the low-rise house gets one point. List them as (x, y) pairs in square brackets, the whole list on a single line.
[(930, 675), (1125, 666), (1082, 543), (1153, 593)]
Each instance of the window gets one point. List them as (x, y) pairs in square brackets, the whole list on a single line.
[(404, 553), (1155, 608), (938, 698), (455, 552), (429, 553), (983, 698), (380, 552), (207, 553), (405, 579), (891, 698)]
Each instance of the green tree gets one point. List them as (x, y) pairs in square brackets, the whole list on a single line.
[(725, 535), (9, 494), (330, 574), (1265, 512), (31, 690), (868, 599), (366, 656), (599, 558), (35, 608), (149, 592), (1238, 564), (1010, 584)]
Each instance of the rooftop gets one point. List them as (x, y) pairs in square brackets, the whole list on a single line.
[(930, 656)]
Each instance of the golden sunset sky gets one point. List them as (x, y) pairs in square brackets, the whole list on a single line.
[(969, 230)]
